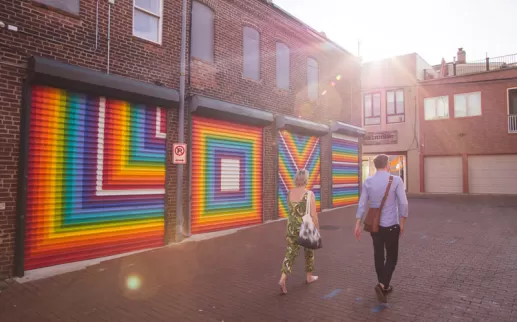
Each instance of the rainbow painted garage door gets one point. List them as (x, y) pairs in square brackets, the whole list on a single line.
[(226, 175), (297, 152), (345, 170), (96, 177)]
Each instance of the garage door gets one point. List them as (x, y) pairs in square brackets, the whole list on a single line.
[(297, 152), (345, 170), (226, 175), (443, 174), (96, 177), (494, 174)]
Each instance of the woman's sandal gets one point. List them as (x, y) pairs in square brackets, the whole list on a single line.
[(388, 290), (313, 279)]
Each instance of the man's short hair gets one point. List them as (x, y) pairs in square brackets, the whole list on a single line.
[(381, 161)]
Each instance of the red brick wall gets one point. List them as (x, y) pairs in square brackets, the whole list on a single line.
[(43, 32), (47, 33), (223, 79), (485, 134)]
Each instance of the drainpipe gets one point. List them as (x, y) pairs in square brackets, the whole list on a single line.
[(181, 124), (110, 3)]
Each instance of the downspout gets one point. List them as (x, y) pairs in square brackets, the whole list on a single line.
[(110, 3), (189, 116), (181, 125)]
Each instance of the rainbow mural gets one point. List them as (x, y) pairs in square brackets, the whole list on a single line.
[(297, 152), (345, 170), (96, 177), (226, 175)]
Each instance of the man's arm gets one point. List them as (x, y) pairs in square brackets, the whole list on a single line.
[(363, 202), (402, 204)]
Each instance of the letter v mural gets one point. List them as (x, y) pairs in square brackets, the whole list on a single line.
[(296, 150)]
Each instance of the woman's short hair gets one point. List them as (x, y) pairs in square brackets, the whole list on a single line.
[(301, 178)]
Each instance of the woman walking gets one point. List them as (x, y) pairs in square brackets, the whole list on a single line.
[(297, 199)]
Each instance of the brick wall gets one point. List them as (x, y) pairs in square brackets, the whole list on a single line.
[(70, 39), (339, 82), (43, 32), (484, 134)]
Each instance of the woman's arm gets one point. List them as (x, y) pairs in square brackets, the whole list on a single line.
[(314, 214)]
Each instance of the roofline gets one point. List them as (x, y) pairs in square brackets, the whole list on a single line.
[(313, 31)]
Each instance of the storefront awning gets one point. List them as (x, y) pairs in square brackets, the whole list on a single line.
[(301, 126), (347, 129), (217, 109), (54, 73)]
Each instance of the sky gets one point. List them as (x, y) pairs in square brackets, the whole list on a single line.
[(431, 28)]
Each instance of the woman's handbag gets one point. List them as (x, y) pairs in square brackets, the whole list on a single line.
[(309, 236), (373, 218)]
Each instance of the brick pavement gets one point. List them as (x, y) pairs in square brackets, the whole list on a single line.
[(458, 262)]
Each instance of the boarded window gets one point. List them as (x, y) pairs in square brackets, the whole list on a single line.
[(251, 51), (282, 66), (202, 43), (312, 78)]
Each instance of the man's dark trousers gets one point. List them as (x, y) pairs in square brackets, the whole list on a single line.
[(387, 237)]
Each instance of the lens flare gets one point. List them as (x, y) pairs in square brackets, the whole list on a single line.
[(133, 282), (338, 77), (332, 84), (324, 92)]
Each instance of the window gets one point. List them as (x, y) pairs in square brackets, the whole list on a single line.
[(372, 109), (70, 6), (436, 108), (202, 37), (282, 66), (147, 20), (312, 78), (512, 101), (251, 52), (395, 106), (468, 104)]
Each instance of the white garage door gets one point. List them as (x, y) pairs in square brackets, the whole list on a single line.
[(443, 174), (493, 174)]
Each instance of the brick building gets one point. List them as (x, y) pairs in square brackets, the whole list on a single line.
[(390, 115), (468, 126), (89, 116)]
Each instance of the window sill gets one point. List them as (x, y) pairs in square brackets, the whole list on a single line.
[(260, 81), (467, 117), (44, 7), (148, 42), (202, 61), (439, 119)]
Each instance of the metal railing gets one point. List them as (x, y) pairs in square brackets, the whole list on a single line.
[(473, 67), (512, 123)]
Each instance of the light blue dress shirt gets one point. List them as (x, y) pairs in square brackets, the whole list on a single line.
[(396, 204)]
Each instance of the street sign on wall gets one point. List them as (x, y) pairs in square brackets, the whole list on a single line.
[(179, 153)]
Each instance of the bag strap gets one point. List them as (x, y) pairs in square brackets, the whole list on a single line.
[(308, 203), (386, 193)]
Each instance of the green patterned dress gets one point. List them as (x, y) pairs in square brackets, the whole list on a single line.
[(294, 222)]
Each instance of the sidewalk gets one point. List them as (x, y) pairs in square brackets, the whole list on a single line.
[(458, 262)]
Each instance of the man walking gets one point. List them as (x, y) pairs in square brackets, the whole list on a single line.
[(392, 221)]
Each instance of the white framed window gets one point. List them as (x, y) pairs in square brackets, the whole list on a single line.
[(467, 104), (70, 6), (312, 78), (147, 19), (283, 70), (202, 33), (372, 108), (436, 108), (251, 53)]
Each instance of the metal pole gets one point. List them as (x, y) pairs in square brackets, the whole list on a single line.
[(181, 124)]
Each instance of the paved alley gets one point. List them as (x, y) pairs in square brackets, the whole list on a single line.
[(458, 260)]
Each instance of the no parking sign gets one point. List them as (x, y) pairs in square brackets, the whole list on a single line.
[(179, 153)]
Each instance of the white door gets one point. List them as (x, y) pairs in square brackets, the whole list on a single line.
[(443, 174), (493, 174)]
